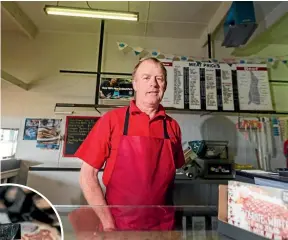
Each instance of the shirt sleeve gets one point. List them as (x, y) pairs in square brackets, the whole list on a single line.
[(95, 148), (179, 154)]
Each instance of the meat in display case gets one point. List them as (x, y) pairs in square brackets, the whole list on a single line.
[(258, 209)]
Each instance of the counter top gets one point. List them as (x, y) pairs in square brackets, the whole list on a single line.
[(75, 167), (63, 167), (181, 178), (260, 175)]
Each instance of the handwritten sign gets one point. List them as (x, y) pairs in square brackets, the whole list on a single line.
[(77, 129)]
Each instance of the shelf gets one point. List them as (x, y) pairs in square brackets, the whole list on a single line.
[(175, 110)]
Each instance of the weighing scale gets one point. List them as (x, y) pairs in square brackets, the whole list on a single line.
[(212, 160)]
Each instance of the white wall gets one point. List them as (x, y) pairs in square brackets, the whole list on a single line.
[(41, 59)]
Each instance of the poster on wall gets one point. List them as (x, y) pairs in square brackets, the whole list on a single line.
[(48, 136), (204, 90), (194, 88), (253, 87), (116, 91), (211, 89), (178, 98), (168, 98), (31, 129), (227, 96)]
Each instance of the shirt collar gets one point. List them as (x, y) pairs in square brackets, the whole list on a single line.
[(134, 109)]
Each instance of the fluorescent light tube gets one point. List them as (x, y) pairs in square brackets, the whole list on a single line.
[(91, 13)]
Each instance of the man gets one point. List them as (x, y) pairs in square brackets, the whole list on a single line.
[(141, 148)]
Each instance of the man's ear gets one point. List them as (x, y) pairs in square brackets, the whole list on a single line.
[(165, 87), (134, 85)]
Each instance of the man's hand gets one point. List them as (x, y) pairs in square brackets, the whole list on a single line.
[(95, 197), (109, 226)]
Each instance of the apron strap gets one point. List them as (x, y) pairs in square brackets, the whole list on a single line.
[(126, 124), (166, 135)]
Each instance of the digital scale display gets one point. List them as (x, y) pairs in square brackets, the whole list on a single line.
[(219, 169)]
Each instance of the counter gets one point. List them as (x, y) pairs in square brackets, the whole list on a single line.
[(187, 228), (75, 167), (60, 184), (264, 176)]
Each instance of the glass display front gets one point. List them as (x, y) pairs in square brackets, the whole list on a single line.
[(141, 222)]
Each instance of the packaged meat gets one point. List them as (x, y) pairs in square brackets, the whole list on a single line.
[(259, 209), (37, 231)]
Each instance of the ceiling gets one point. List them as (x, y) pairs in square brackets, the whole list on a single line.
[(164, 19)]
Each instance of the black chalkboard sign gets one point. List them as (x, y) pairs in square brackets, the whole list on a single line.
[(77, 129)]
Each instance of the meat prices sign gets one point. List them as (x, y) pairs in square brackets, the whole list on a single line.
[(258, 209)]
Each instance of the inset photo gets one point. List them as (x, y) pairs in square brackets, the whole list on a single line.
[(27, 215)]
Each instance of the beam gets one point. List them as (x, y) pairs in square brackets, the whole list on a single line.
[(11, 79), (99, 63), (215, 21), (20, 18)]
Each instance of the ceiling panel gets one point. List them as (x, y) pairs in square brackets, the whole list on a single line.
[(125, 28), (175, 30), (7, 24), (189, 11), (162, 18), (263, 8)]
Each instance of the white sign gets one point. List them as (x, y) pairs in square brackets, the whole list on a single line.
[(227, 87), (253, 87), (168, 99)]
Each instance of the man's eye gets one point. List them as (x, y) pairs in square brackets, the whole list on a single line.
[(160, 79)]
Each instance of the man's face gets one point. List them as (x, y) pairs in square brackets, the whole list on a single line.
[(149, 83), (113, 81)]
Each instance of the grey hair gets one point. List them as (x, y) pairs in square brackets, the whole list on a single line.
[(155, 60)]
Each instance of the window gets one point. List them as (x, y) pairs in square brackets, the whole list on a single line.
[(8, 143)]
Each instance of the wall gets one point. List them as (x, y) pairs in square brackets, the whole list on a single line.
[(278, 71), (39, 61)]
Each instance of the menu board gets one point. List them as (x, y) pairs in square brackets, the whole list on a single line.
[(219, 86), (253, 87), (179, 84), (194, 88), (227, 95), (77, 129), (211, 89), (168, 97)]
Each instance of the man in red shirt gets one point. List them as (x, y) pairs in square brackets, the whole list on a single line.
[(141, 148)]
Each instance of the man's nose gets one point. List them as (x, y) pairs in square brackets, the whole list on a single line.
[(154, 82)]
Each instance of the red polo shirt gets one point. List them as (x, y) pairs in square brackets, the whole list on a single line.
[(102, 142)]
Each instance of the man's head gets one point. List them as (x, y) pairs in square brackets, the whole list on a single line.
[(113, 81), (149, 81)]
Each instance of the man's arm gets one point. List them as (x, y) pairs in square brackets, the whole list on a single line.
[(94, 151), (179, 155), (93, 193)]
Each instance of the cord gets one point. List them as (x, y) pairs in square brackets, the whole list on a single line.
[(88, 4)]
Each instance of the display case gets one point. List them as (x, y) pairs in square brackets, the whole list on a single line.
[(191, 222)]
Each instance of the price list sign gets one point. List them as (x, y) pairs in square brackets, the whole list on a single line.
[(76, 131)]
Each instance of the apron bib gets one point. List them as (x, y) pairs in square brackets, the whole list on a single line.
[(141, 182)]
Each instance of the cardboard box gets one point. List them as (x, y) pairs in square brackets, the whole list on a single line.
[(239, 227)]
